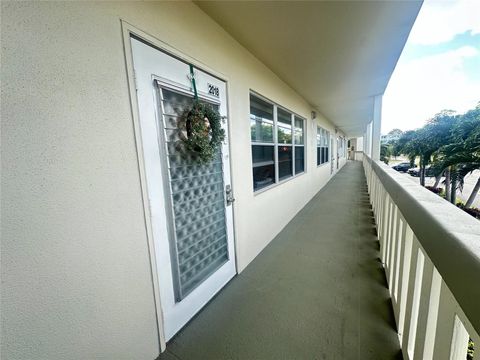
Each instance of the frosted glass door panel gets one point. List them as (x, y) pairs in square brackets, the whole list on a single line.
[(197, 205)]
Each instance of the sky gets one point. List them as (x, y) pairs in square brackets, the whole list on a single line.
[(439, 67)]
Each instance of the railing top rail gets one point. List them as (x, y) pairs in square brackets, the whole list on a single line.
[(450, 237)]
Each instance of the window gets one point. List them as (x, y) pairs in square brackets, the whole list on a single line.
[(299, 149), (277, 137), (323, 141), (261, 133)]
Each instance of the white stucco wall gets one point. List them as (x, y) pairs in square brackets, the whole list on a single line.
[(367, 139), (359, 144), (76, 277)]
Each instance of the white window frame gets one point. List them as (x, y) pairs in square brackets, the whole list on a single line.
[(275, 143), (304, 135), (327, 133)]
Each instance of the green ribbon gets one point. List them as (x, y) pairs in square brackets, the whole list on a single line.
[(192, 74)]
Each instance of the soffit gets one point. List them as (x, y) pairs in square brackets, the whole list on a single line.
[(338, 55)]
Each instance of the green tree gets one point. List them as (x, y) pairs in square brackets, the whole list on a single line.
[(418, 146), (405, 146), (451, 143), (436, 133), (394, 136), (395, 133), (460, 156), (385, 153), (424, 142)]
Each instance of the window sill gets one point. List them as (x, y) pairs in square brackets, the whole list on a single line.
[(262, 190), (325, 163), (263, 163)]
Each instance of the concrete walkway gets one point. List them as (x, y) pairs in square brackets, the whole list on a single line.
[(318, 291)]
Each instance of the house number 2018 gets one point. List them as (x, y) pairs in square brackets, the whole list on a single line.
[(213, 90)]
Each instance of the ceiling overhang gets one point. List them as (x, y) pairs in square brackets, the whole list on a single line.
[(338, 55)]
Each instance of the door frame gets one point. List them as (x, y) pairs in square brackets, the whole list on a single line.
[(129, 30), (338, 154)]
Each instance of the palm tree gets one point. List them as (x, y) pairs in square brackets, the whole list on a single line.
[(385, 153), (451, 143), (461, 155), (425, 142), (457, 165), (470, 131)]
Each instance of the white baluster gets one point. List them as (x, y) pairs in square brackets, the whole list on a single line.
[(415, 304), (379, 211), (385, 229), (460, 338), (393, 249), (445, 324), (400, 257), (391, 208), (431, 329), (406, 289), (423, 307)]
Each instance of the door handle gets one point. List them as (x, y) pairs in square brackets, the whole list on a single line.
[(229, 195)]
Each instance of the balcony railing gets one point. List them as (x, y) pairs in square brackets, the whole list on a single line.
[(431, 253)]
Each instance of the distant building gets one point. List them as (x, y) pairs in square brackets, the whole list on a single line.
[(385, 139)]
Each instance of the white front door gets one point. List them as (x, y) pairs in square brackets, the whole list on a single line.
[(192, 222)]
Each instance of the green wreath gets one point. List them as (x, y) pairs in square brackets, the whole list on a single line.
[(204, 133)]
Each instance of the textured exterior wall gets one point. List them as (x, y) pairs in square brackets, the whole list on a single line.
[(359, 144), (76, 277)]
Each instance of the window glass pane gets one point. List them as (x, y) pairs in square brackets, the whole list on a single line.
[(263, 166), (326, 151), (261, 120), (299, 159), (319, 136), (298, 130), (261, 130), (284, 162), (262, 154), (261, 108), (284, 124), (318, 156)]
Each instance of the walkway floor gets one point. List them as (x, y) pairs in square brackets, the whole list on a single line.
[(317, 291)]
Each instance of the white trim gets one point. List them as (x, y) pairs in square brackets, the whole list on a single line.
[(128, 31), (149, 60)]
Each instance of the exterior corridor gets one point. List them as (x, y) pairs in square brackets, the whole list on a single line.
[(318, 291)]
